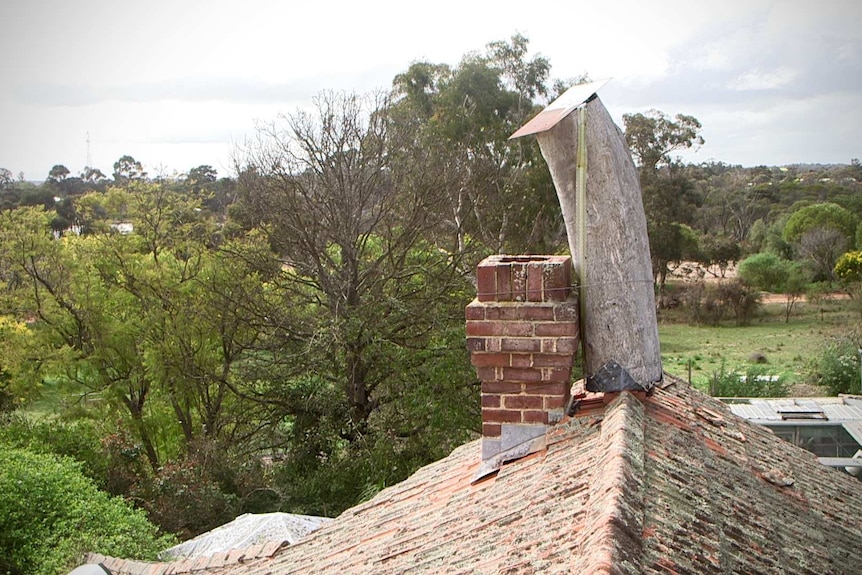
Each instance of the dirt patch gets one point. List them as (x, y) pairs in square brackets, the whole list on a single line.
[(694, 272), (767, 297)]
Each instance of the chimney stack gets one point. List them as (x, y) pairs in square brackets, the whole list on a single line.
[(522, 333)]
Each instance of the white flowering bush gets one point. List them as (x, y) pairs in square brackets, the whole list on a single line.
[(837, 369)]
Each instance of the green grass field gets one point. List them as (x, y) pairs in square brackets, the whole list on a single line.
[(789, 348)]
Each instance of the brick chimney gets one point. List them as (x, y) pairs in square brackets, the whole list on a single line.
[(522, 333)]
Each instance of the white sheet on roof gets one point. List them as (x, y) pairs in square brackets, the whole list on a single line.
[(244, 531)]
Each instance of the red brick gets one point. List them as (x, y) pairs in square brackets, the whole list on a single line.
[(537, 312), (521, 344), (523, 402), (487, 373), (553, 360), (557, 282), (491, 359), (501, 416), (521, 359), (534, 281), (475, 311), (535, 416), (480, 328), (491, 400), (495, 312), (499, 327), (515, 328), (548, 388), (491, 430), (556, 294), (559, 329), (519, 282), (548, 345), (521, 312), (504, 282), (521, 374), (556, 374), (490, 386), (486, 280), (475, 344)]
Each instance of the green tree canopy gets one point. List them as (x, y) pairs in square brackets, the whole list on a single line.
[(823, 216), (653, 136), (499, 194), (669, 196), (58, 173), (765, 271), (128, 169)]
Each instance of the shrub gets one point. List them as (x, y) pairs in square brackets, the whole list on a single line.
[(77, 439), (711, 304), (51, 514), (848, 268), (764, 271), (755, 382), (742, 300), (837, 369), (207, 487), (183, 499)]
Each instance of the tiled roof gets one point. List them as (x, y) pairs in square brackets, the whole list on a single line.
[(671, 482)]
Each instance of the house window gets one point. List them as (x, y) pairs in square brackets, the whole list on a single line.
[(822, 439)]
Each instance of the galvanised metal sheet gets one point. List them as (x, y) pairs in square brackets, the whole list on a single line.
[(559, 108)]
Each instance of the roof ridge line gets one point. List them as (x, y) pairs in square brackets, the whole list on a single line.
[(616, 507)]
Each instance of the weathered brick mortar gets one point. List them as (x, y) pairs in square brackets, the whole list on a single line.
[(522, 333)]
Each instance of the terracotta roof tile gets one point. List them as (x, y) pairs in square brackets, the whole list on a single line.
[(671, 482)]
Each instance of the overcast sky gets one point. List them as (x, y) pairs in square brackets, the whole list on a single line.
[(179, 83)]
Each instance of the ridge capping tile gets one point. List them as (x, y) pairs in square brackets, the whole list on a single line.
[(616, 508)]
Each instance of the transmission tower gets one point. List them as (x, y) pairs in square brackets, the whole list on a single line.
[(89, 156)]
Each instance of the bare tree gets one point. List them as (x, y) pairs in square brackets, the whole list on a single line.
[(820, 248), (347, 201)]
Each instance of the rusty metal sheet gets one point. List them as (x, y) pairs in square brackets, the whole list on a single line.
[(559, 108)]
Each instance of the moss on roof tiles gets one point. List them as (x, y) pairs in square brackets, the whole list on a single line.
[(645, 485)]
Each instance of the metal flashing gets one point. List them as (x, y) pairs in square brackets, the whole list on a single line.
[(494, 464), (613, 377), (567, 102)]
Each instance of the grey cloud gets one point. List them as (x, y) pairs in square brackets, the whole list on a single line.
[(186, 90)]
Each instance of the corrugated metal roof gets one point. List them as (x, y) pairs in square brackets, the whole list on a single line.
[(854, 428), (787, 408)]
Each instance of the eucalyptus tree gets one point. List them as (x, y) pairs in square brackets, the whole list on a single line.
[(669, 196), (127, 169), (653, 136), (499, 192)]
